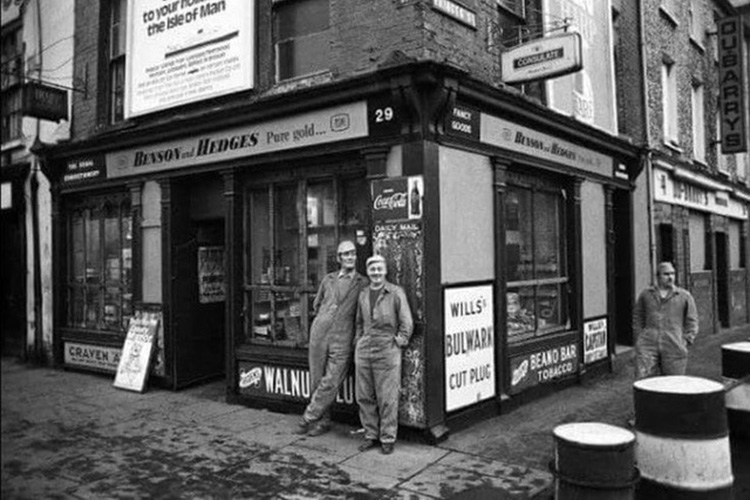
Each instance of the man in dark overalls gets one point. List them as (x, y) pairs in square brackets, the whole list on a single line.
[(331, 337)]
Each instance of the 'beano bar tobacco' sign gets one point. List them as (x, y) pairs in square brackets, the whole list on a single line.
[(731, 95), (543, 366)]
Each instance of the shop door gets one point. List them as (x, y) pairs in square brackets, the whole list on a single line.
[(623, 268), (12, 275), (198, 304), (722, 279)]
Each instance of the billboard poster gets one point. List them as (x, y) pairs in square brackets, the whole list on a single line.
[(285, 382), (594, 340), (183, 51), (589, 94), (469, 346), (543, 366)]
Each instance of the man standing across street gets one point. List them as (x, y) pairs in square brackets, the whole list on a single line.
[(331, 338), (665, 323)]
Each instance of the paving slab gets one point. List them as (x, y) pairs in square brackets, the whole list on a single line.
[(407, 460)]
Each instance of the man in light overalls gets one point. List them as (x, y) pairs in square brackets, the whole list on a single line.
[(331, 337)]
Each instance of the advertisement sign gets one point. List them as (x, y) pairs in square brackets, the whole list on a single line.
[(731, 77), (543, 366), (45, 102), (544, 58), (508, 135), (594, 340), (84, 169), (462, 121), (678, 192), (184, 51), (469, 346), (284, 382), (589, 94), (211, 275), (135, 359), (397, 198), (91, 356), (347, 121)]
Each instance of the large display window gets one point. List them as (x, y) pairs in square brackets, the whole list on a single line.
[(292, 230), (99, 279), (535, 249)]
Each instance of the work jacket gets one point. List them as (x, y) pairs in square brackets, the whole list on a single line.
[(673, 320), (334, 314), (391, 315)]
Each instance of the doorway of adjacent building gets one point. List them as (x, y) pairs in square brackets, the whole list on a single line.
[(197, 280), (722, 279), (623, 268), (12, 269)]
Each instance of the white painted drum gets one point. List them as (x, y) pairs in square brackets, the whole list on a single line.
[(594, 461), (682, 440), (735, 366)]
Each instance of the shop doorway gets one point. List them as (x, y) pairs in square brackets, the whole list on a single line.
[(623, 268), (197, 281), (722, 279), (12, 271)]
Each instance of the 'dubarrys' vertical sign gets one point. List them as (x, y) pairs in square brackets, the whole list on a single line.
[(469, 346)]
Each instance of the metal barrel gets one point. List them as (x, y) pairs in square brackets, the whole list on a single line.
[(682, 440), (594, 461), (735, 368)]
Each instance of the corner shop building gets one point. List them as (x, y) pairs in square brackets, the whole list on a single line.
[(508, 225)]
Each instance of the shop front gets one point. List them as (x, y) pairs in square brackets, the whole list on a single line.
[(502, 221)]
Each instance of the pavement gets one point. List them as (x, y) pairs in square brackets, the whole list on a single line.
[(73, 435)]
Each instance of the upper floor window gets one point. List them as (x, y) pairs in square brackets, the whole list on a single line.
[(669, 102), (518, 24), (671, 8), (721, 159), (301, 37), (695, 22), (117, 30), (699, 124), (12, 78)]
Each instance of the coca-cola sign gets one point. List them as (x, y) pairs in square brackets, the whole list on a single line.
[(397, 199)]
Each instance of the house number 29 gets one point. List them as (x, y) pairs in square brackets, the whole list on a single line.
[(383, 115)]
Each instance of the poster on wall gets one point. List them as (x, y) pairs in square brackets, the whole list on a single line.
[(469, 346), (398, 198), (211, 274), (184, 51), (543, 366), (594, 340), (589, 94), (135, 360)]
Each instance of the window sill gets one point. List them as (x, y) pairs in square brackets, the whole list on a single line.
[(673, 146), (700, 163), (697, 44), (297, 82), (668, 16), (12, 144)]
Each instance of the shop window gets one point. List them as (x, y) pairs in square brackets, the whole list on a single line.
[(536, 271), (99, 284), (695, 23), (117, 31), (12, 79), (292, 234), (301, 37)]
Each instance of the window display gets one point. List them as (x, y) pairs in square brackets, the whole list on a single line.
[(99, 287), (536, 299), (308, 220)]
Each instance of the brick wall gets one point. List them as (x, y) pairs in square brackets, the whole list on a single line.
[(85, 67)]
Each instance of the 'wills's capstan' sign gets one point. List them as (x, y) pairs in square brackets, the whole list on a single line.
[(731, 94)]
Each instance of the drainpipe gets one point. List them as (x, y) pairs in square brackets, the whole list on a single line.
[(647, 159), (39, 354)]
